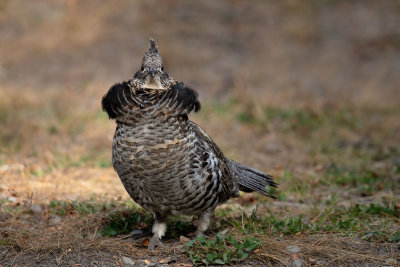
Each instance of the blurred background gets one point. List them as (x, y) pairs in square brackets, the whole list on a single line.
[(292, 87)]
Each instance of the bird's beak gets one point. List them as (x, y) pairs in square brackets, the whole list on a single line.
[(152, 72)]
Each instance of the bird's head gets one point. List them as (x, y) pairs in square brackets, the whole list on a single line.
[(152, 74)]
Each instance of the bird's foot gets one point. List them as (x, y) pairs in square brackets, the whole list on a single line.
[(154, 242)]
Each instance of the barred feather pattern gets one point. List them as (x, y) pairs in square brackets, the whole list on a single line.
[(167, 163)]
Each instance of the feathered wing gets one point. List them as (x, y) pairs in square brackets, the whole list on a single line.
[(214, 162), (236, 176)]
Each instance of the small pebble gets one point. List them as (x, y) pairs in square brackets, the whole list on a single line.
[(127, 261), (183, 239), (166, 260), (36, 209), (293, 249), (271, 147), (297, 263), (136, 232), (367, 236), (54, 219), (12, 199)]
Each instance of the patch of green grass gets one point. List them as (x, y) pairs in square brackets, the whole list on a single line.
[(62, 208), (364, 180), (118, 222), (103, 163), (300, 185), (226, 107), (222, 249), (62, 161), (270, 223), (374, 209), (8, 206), (245, 117), (68, 162), (226, 212), (397, 170), (282, 195), (353, 220), (286, 226), (395, 237), (179, 226), (123, 222), (247, 224), (302, 121), (380, 236), (101, 116), (292, 119)]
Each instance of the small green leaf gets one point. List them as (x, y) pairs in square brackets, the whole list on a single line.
[(110, 231), (201, 239), (190, 243), (219, 261), (395, 238), (218, 237), (225, 257)]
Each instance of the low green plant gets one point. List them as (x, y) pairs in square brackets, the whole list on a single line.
[(382, 236), (395, 237), (222, 249), (364, 179), (247, 224), (293, 119), (179, 226), (348, 221), (374, 209), (122, 222), (103, 163)]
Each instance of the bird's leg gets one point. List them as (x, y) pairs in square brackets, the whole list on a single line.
[(159, 228), (203, 223)]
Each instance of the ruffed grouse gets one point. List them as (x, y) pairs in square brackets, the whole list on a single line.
[(167, 163)]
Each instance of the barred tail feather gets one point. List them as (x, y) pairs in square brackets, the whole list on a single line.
[(250, 180)]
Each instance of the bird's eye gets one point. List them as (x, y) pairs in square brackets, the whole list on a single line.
[(142, 68), (162, 68)]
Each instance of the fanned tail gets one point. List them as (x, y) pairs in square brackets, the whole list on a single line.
[(250, 180)]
